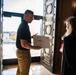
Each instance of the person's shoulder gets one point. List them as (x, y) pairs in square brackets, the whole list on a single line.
[(70, 38)]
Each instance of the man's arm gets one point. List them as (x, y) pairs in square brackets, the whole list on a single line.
[(25, 44)]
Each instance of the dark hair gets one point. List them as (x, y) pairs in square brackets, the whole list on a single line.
[(28, 11), (72, 21)]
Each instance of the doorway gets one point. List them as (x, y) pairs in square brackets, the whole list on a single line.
[(11, 22)]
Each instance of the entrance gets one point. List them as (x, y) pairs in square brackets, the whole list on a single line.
[(11, 22)]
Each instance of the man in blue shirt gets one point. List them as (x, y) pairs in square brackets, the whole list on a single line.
[(23, 44)]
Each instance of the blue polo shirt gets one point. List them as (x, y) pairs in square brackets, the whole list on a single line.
[(23, 32)]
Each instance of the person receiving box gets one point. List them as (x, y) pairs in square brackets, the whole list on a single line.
[(23, 44), (69, 49)]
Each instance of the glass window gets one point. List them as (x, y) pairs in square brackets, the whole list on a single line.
[(20, 6), (11, 24)]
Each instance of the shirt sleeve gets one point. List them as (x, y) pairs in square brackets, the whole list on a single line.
[(23, 33)]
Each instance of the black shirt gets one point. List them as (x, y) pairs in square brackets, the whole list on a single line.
[(69, 56), (23, 32)]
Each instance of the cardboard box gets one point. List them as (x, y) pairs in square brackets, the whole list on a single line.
[(42, 41)]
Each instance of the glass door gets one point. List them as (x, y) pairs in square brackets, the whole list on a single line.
[(10, 25)]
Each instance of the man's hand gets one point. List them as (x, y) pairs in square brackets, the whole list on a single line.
[(34, 35), (36, 47)]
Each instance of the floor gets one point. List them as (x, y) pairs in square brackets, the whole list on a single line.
[(35, 69)]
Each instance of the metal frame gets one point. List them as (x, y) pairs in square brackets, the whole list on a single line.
[(49, 30)]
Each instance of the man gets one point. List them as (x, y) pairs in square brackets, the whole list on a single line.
[(23, 44)]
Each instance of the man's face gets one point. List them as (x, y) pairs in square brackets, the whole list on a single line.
[(29, 17)]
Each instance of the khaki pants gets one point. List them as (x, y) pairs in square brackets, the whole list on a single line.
[(24, 60)]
